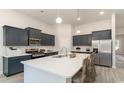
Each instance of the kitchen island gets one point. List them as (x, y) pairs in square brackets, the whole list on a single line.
[(52, 69)]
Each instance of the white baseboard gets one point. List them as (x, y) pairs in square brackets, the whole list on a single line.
[(114, 66)]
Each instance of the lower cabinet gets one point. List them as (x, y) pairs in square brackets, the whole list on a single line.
[(13, 65)]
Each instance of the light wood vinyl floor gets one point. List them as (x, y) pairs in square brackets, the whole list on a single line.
[(109, 75), (104, 75)]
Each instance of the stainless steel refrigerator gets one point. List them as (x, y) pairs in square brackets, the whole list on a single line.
[(103, 50)]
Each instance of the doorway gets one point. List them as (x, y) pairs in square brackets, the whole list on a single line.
[(119, 40)]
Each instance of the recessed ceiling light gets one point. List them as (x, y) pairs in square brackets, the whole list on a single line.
[(78, 18), (101, 13), (78, 31)]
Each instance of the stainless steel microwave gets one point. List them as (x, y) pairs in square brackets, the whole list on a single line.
[(34, 41)]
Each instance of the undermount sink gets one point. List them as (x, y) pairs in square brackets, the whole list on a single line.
[(59, 56), (72, 55)]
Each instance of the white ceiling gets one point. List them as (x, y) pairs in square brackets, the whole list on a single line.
[(69, 15)]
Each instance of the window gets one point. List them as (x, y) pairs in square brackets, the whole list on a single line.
[(117, 44)]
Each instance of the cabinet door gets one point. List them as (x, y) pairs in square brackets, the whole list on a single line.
[(106, 34), (10, 36), (47, 40), (13, 65), (33, 32), (88, 39), (82, 40), (22, 38), (15, 36), (101, 35), (43, 39), (76, 40), (50, 39), (23, 58)]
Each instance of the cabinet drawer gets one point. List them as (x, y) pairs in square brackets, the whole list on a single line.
[(13, 65), (23, 58)]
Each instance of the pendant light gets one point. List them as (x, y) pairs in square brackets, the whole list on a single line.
[(78, 30), (78, 19), (101, 13), (58, 19)]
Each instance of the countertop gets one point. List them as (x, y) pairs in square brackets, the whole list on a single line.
[(16, 55), (75, 51), (65, 67)]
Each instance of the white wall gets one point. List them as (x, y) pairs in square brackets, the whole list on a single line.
[(121, 42), (95, 26), (14, 18), (63, 36), (120, 31), (120, 36)]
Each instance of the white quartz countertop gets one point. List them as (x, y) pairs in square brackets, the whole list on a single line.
[(65, 67), (16, 55), (82, 51)]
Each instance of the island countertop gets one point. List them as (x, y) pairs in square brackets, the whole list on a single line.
[(65, 67)]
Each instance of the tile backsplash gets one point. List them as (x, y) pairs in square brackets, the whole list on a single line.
[(21, 49)]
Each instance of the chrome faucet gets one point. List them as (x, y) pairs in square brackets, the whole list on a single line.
[(66, 51)]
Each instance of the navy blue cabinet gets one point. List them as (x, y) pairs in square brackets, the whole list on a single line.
[(47, 40), (82, 40), (13, 65), (103, 34), (13, 36), (33, 32), (33, 36)]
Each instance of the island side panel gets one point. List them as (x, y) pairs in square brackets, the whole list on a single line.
[(33, 75)]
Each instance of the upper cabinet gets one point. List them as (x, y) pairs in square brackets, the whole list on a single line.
[(25, 37), (13, 36), (82, 40), (103, 34), (33, 32), (47, 39), (34, 36)]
